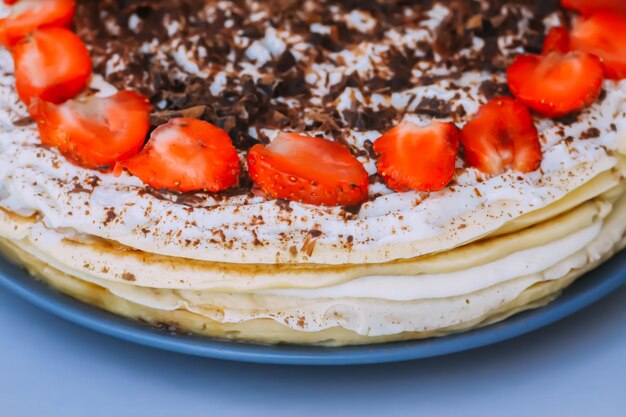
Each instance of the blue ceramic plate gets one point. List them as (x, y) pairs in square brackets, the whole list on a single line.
[(584, 292)]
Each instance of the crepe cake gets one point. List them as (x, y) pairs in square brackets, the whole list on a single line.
[(316, 172)]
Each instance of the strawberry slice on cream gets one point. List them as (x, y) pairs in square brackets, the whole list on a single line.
[(186, 155), (557, 40), (95, 132), (556, 84), (29, 15), (308, 169), (502, 136), (587, 7), (604, 35), (51, 64), (422, 158)]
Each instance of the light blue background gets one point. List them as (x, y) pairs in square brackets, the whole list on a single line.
[(51, 368)]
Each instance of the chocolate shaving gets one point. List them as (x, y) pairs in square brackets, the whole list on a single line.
[(309, 245), (24, 121), (160, 117), (491, 89), (434, 107), (591, 133)]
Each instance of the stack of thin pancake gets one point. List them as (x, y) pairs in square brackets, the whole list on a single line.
[(239, 265)]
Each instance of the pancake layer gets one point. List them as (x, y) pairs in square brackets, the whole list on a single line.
[(474, 285)]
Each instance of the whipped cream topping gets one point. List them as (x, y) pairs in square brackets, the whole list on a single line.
[(241, 227)]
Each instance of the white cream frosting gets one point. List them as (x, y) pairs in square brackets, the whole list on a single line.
[(254, 230)]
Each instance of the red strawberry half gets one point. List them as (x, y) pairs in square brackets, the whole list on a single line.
[(186, 155), (28, 15), (587, 7), (95, 132), (557, 40), (502, 136), (604, 35), (51, 64), (308, 169), (556, 84), (421, 158)]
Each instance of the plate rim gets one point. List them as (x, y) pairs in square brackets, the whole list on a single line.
[(587, 290)]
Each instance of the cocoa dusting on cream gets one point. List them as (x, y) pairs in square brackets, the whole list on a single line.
[(174, 51)]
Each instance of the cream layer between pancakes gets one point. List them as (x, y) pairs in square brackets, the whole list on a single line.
[(373, 307)]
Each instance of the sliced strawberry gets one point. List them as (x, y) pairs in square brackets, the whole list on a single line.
[(308, 169), (587, 7), (557, 40), (502, 136), (95, 132), (28, 15), (604, 35), (422, 158), (51, 64), (556, 84), (187, 155)]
